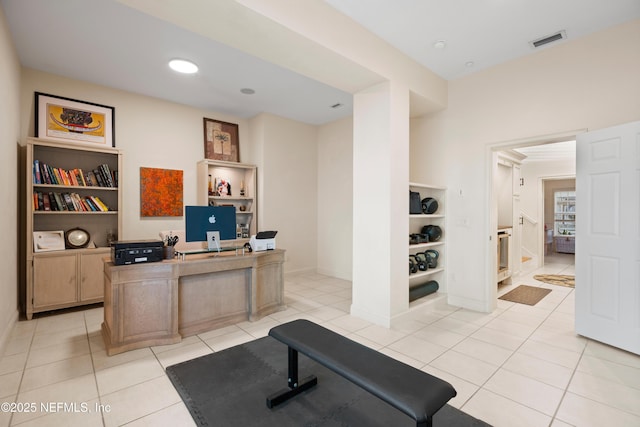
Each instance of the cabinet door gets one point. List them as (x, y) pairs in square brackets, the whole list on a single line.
[(92, 276), (54, 280)]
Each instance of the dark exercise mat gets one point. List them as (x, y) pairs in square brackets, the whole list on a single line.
[(229, 388)]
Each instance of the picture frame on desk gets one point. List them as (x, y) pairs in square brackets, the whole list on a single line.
[(74, 121), (221, 141)]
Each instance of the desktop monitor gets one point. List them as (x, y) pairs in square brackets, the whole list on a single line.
[(200, 219)]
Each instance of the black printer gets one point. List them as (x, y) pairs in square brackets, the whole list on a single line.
[(136, 251)]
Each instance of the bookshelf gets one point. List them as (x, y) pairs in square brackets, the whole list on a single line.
[(68, 187), (241, 192)]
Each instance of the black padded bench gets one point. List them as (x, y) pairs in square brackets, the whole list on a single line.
[(410, 390)]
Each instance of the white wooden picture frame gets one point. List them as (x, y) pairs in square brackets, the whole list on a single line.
[(46, 241)]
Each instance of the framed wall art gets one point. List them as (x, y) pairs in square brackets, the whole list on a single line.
[(71, 120), (160, 192), (221, 141)]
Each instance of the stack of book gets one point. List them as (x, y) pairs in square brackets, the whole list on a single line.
[(52, 201), (101, 176)]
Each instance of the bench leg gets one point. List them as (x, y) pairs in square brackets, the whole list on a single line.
[(295, 387)]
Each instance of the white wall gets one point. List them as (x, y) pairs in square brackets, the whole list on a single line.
[(535, 204), (9, 205), (335, 199), (531, 202), (592, 82)]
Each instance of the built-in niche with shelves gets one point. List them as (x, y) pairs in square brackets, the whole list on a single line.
[(417, 222), (223, 183)]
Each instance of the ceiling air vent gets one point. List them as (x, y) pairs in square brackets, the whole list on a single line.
[(560, 35)]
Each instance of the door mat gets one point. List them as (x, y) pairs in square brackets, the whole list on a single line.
[(524, 294), (557, 279), (229, 388)]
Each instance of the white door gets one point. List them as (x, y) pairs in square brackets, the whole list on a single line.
[(608, 236)]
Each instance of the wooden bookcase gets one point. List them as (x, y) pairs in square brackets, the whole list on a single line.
[(242, 181), (69, 277)]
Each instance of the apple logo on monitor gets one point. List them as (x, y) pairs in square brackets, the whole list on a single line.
[(212, 219)]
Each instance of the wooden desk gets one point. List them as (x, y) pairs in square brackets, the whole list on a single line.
[(158, 303)]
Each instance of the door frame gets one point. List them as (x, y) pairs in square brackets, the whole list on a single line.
[(491, 224)]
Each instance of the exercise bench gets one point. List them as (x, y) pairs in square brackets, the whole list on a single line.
[(410, 390)]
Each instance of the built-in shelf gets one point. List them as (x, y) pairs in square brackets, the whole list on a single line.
[(416, 222)]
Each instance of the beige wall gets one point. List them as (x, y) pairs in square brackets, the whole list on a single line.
[(592, 82), (9, 136), (160, 134), (151, 132), (335, 198), (288, 186)]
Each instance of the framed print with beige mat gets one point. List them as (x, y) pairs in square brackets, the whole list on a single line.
[(523, 294)]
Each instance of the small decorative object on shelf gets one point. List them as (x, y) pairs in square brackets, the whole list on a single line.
[(76, 238), (112, 236), (223, 186)]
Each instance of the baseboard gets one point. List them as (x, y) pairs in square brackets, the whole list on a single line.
[(469, 304), (300, 271), (336, 274), (5, 333), (425, 303), (369, 316)]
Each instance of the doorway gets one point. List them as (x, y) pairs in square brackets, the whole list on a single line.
[(545, 155), (559, 217)]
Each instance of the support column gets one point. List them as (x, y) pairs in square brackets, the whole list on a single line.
[(380, 202)]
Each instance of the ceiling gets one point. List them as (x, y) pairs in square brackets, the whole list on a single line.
[(565, 150), (108, 43)]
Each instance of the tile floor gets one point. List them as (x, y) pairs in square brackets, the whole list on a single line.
[(518, 366)]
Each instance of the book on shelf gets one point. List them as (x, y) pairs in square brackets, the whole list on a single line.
[(101, 176), (37, 178), (65, 201), (45, 202), (103, 207), (61, 205)]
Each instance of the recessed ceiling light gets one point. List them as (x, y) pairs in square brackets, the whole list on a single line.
[(183, 66), (247, 91), (440, 44)]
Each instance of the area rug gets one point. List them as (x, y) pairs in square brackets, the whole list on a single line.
[(229, 388), (524, 294), (557, 279)]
